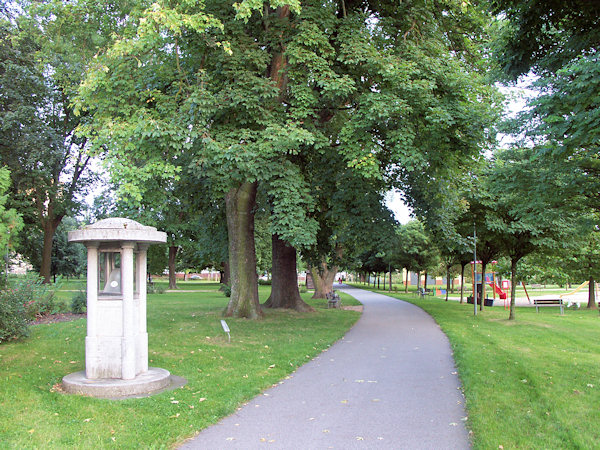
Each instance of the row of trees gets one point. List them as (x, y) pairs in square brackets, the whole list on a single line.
[(303, 113), (292, 119)]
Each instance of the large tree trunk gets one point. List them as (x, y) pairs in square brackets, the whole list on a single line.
[(284, 284), (406, 284), (591, 294), (224, 273), (172, 274), (240, 204), (49, 227), (513, 285), (323, 278)]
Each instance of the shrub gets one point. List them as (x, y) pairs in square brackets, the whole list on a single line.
[(79, 303), (226, 290), (13, 322), (37, 297), (303, 289), (264, 282), (155, 289)]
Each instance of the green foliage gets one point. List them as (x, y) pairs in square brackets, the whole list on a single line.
[(68, 259), (543, 35), (155, 288), (226, 290), (262, 282), (36, 296), (79, 302), (10, 221), (13, 321)]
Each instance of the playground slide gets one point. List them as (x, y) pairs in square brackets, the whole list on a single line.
[(499, 291)]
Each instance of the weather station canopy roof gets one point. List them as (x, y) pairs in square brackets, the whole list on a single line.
[(118, 229)]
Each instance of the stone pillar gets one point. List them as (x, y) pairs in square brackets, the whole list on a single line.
[(129, 326), (91, 340), (142, 338)]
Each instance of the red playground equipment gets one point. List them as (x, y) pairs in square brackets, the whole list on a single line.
[(490, 279), (498, 291)]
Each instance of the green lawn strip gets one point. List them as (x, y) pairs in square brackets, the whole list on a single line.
[(529, 383), (186, 338)]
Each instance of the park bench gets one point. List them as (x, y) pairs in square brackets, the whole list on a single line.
[(540, 302), (333, 300), (423, 292)]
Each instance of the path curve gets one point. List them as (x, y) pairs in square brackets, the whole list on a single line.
[(389, 383)]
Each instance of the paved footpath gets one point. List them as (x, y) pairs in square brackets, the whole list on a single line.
[(389, 383)]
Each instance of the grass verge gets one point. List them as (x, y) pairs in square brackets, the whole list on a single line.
[(529, 383), (186, 338)]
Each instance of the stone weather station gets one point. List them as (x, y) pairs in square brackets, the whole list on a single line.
[(116, 345)]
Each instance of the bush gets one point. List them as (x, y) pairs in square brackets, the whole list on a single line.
[(13, 322), (37, 297), (303, 289), (264, 282), (226, 290), (79, 303), (155, 289)]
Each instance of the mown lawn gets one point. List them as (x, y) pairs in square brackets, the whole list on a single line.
[(186, 338), (529, 383)]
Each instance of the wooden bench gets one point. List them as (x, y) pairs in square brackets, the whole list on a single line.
[(333, 300), (540, 302)]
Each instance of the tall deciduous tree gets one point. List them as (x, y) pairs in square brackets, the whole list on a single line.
[(43, 53), (387, 88)]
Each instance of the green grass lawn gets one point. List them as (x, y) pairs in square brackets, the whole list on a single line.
[(186, 338), (529, 383)]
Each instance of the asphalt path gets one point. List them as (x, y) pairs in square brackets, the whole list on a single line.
[(389, 383)]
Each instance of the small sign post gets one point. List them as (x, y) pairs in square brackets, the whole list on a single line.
[(226, 329)]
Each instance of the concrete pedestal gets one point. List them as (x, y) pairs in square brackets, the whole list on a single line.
[(154, 379)]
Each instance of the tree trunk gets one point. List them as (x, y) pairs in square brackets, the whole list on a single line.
[(406, 284), (447, 282), (49, 227), (172, 274), (591, 294), (418, 280), (462, 282), (323, 278), (425, 282), (483, 265), (513, 285), (224, 273), (239, 203), (284, 285)]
